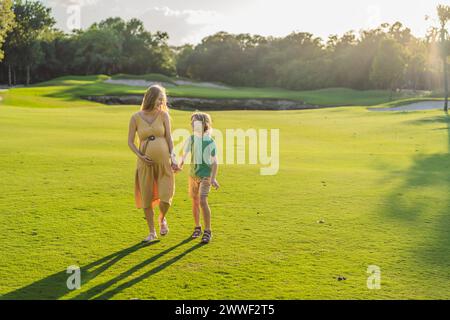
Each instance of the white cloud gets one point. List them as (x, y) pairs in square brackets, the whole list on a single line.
[(201, 17), (190, 21), (182, 25), (65, 3)]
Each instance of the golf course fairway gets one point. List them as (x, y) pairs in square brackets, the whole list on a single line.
[(354, 189)]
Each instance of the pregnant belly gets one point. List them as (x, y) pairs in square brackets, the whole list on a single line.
[(158, 150)]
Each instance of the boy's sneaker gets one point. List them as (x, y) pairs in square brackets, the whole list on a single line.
[(164, 228), (197, 233), (207, 236)]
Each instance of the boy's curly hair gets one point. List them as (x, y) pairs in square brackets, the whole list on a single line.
[(204, 118)]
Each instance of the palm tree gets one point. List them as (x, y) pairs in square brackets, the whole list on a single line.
[(444, 18)]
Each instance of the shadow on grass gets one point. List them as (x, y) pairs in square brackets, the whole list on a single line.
[(54, 286), (100, 291), (428, 172), (109, 294)]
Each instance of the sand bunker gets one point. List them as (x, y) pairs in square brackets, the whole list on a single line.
[(146, 84), (201, 84), (416, 106), (137, 83)]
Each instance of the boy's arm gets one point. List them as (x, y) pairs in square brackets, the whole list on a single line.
[(214, 170), (186, 150), (182, 159)]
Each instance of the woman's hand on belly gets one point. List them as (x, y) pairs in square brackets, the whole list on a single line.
[(158, 150), (146, 160)]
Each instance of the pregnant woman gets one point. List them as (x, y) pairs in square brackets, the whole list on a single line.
[(154, 181)]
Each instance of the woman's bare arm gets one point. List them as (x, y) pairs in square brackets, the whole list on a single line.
[(168, 136), (132, 128), (131, 135)]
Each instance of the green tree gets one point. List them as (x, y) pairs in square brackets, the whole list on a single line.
[(298, 61), (140, 50), (183, 57), (6, 22), (98, 51), (22, 45), (58, 55), (388, 65), (444, 17), (416, 64)]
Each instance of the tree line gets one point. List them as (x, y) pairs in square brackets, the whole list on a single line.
[(34, 50), (386, 57)]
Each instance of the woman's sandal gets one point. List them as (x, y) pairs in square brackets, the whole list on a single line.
[(197, 233), (207, 235), (152, 237)]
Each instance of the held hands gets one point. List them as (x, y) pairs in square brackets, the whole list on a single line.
[(175, 167)]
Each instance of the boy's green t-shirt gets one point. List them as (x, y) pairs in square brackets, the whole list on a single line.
[(202, 150)]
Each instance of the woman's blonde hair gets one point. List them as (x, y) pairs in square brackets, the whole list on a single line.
[(204, 118), (151, 98)]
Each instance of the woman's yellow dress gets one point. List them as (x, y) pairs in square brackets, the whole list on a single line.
[(153, 183)]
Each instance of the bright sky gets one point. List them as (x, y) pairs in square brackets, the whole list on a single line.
[(191, 20)]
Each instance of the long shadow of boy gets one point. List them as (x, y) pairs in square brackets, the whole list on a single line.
[(54, 286)]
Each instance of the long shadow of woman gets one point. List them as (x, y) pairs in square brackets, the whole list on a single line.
[(101, 288), (54, 286), (109, 294)]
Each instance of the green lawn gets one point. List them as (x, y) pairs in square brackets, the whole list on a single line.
[(67, 91), (379, 181)]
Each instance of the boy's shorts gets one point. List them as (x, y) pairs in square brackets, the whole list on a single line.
[(199, 187)]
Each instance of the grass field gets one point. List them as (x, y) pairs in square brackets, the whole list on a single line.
[(67, 91), (379, 181)]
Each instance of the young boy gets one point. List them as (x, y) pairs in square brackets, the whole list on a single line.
[(203, 171)]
